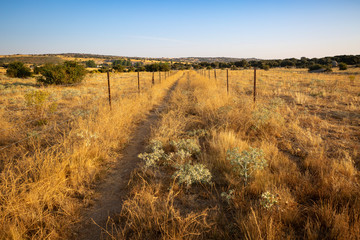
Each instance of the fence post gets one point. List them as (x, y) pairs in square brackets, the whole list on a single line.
[(254, 84), (138, 81), (227, 81), (153, 79), (209, 74), (159, 77), (108, 78), (215, 74)]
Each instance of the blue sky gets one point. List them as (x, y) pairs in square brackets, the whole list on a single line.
[(206, 28)]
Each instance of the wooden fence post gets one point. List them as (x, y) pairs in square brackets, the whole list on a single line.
[(159, 77), (254, 84), (138, 75), (108, 78), (227, 81), (153, 79), (215, 74)]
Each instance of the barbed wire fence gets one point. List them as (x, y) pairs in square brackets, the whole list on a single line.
[(139, 89)]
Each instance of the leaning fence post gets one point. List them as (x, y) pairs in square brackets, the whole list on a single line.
[(138, 75), (254, 84), (108, 78), (227, 81)]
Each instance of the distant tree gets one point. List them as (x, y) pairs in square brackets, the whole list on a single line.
[(67, 73), (316, 67), (119, 68), (18, 70), (265, 67), (90, 64), (140, 69), (342, 66)]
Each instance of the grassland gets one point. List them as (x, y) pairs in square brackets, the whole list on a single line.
[(300, 142), (286, 167)]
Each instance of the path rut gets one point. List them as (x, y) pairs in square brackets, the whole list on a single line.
[(113, 190)]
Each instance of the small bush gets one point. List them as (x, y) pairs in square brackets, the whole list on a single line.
[(343, 66), (18, 70), (316, 67), (247, 162), (265, 67), (90, 64), (268, 200), (39, 103), (187, 145), (155, 154), (67, 73), (189, 174)]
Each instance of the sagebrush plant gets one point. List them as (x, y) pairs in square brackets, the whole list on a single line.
[(187, 145), (155, 155), (228, 195), (192, 173), (268, 200), (246, 162), (88, 136)]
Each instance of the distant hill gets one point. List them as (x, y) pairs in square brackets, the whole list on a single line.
[(31, 59), (57, 58)]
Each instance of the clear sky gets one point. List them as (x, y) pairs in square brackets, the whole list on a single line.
[(183, 28)]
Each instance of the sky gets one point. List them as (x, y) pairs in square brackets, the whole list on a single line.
[(184, 28)]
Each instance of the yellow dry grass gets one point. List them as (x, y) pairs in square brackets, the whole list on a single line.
[(307, 126), (48, 176)]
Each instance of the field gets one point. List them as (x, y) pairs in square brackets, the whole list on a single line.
[(217, 164)]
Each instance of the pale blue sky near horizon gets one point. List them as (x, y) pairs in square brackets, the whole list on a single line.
[(205, 28)]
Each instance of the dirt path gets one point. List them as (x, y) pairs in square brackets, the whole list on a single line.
[(113, 191)]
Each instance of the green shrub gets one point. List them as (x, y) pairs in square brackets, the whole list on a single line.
[(342, 66), (265, 67), (69, 72), (316, 67), (18, 70), (90, 64)]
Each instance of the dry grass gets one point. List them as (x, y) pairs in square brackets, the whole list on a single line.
[(307, 126), (46, 178)]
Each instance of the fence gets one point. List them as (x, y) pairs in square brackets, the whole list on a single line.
[(106, 88), (264, 85)]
